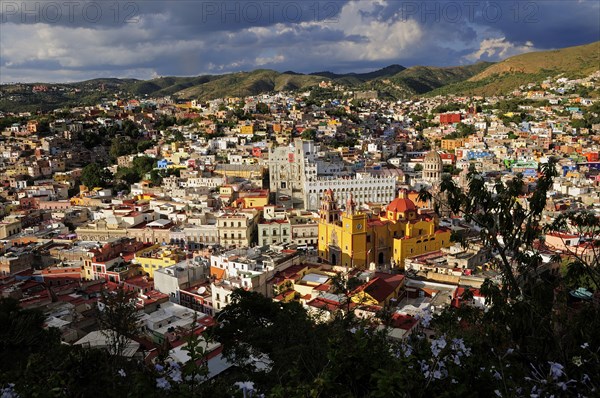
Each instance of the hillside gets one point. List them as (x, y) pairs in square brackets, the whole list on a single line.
[(422, 79), (513, 72), (248, 83), (394, 81), (356, 78), (418, 80)]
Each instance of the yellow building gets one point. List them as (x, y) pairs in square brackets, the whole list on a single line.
[(247, 130), (157, 256), (354, 239), (452, 144), (258, 198)]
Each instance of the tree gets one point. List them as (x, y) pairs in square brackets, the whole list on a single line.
[(418, 167), (128, 175), (120, 147), (119, 319), (91, 139), (93, 175), (286, 353), (507, 225), (262, 108), (309, 134), (142, 165), (39, 364), (130, 129), (582, 260), (156, 177), (146, 144)]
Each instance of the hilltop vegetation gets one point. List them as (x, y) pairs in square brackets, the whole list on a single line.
[(394, 81), (422, 79), (505, 76), (249, 83)]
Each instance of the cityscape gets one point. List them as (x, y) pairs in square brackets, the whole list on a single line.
[(395, 231)]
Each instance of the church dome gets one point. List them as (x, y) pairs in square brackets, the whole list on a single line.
[(401, 205), (433, 158), (432, 167)]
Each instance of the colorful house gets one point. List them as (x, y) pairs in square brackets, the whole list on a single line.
[(157, 256)]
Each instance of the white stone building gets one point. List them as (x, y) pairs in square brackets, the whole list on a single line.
[(364, 189)]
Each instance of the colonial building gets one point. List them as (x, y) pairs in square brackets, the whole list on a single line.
[(238, 229), (355, 239), (288, 168), (292, 226), (364, 188)]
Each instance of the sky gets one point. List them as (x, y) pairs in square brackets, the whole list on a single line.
[(74, 40)]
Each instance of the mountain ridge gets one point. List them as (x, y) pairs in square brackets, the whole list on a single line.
[(393, 81)]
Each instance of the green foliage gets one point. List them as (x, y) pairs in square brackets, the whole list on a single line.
[(144, 145), (309, 134), (8, 121), (93, 175), (164, 122), (120, 147), (156, 177), (128, 175), (582, 263), (175, 136), (507, 227), (449, 107), (262, 108), (118, 317), (91, 139), (462, 131), (142, 165), (302, 357), (130, 129)]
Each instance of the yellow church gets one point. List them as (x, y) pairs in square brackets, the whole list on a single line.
[(352, 238)]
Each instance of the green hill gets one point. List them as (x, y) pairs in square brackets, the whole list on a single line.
[(392, 82), (248, 83), (422, 79), (534, 67), (418, 80), (356, 78)]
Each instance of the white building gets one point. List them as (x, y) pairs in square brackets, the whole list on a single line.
[(247, 268), (364, 189), (171, 279)]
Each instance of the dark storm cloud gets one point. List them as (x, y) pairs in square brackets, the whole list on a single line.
[(146, 38), (191, 15)]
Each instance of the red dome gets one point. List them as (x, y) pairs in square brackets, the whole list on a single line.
[(401, 205)]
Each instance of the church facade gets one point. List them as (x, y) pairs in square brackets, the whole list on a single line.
[(353, 238)]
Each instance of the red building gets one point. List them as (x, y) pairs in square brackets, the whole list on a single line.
[(591, 156), (449, 118)]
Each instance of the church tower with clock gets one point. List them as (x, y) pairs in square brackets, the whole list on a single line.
[(342, 235)]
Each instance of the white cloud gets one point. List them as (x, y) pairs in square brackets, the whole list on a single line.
[(277, 59), (497, 49)]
